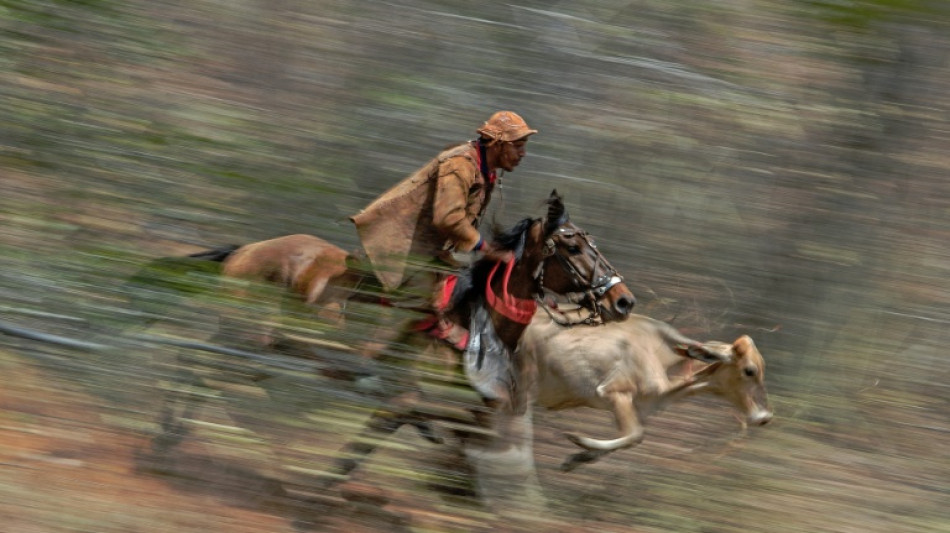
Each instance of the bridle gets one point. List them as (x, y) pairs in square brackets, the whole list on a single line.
[(596, 287), (521, 310)]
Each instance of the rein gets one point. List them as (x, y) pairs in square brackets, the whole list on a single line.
[(561, 318), (520, 310)]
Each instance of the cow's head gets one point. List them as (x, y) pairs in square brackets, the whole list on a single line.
[(739, 378)]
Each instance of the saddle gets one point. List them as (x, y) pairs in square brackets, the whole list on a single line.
[(440, 326), (486, 360)]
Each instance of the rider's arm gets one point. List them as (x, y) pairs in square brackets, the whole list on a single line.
[(449, 207)]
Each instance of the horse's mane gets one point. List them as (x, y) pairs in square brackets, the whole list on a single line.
[(472, 279), (557, 214)]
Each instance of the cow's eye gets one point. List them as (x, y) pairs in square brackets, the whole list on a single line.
[(750, 371)]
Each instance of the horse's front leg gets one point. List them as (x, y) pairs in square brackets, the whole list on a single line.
[(502, 458), (398, 411), (180, 403), (400, 388)]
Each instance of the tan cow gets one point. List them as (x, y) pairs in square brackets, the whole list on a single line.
[(634, 369)]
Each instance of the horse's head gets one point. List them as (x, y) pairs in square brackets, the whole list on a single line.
[(551, 255), (570, 264)]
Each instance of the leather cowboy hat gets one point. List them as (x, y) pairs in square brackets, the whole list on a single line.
[(505, 126)]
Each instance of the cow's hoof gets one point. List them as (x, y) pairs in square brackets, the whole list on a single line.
[(571, 463), (580, 458)]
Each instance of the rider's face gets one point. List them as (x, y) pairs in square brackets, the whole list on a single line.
[(511, 154)]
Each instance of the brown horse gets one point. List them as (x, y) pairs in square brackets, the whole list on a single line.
[(321, 272), (552, 255)]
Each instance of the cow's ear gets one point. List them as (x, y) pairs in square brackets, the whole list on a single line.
[(722, 351), (685, 350), (707, 353)]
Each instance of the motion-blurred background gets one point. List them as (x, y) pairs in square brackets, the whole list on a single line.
[(776, 168)]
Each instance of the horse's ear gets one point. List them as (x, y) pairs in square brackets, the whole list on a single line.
[(557, 213)]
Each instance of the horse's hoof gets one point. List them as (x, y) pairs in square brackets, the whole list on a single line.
[(427, 432), (369, 384), (165, 442), (365, 494), (149, 462)]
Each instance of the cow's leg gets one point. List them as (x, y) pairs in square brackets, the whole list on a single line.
[(628, 422)]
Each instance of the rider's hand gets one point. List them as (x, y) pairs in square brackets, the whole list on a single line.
[(493, 253)]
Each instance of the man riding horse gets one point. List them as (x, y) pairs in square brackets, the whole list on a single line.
[(410, 232), (408, 235)]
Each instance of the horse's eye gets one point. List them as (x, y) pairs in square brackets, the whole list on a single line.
[(750, 371), (573, 249)]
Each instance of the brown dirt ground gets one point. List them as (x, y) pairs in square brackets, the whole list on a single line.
[(69, 463)]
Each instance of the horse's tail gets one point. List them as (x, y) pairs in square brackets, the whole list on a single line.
[(161, 284), (169, 271), (218, 255)]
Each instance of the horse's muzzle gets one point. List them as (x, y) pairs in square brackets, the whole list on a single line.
[(617, 303), (625, 304)]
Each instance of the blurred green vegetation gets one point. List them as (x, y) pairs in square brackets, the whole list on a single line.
[(762, 167)]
